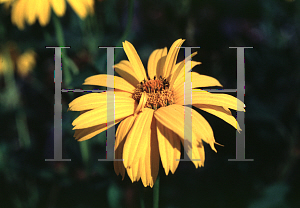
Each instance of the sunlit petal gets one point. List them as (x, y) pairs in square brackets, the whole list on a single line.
[(101, 80), (156, 62), (121, 134), (198, 80), (135, 144), (135, 61), (171, 58), (150, 161), (98, 116), (95, 100)]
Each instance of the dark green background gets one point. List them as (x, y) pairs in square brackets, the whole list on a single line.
[(272, 100)]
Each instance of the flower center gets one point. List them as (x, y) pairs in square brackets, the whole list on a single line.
[(158, 93)]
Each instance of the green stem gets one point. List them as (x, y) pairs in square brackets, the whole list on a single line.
[(156, 193), (61, 43), (84, 148), (23, 133), (128, 26), (11, 99), (59, 32), (142, 197)]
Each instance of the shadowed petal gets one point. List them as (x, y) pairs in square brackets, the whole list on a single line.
[(87, 133), (221, 113), (169, 148), (125, 70), (179, 69), (172, 117), (156, 62), (224, 100), (202, 129), (207, 98)]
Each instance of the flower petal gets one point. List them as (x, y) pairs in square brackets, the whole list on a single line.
[(156, 62), (18, 13), (202, 129), (142, 103), (87, 133), (121, 134), (101, 80), (224, 100), (207, 98), (150, 161), (179, 69), (134, 171), (31, 13), (135, 61), (172, 117), (221, 113), (59, 7), (169, 148), (90, 5), (198, 80), (125, 70), (171, 58), (43, 12), (98, 116), (95, 100), (135, 144), (78, 7)]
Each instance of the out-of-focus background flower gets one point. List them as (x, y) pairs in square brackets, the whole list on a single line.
[(272, 98)]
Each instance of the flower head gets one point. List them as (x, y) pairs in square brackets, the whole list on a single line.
[(26, 62), (11, 59), (30, 10), (150, 110)]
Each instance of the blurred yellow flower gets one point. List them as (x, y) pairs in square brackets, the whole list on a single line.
[(3, 64), (11, 59), (30, 10), (151, 111), (26, 62)]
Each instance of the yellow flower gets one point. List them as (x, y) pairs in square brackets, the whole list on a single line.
[(10, 59), (151, 113), (26, 62), (30, 10), (3, 64)]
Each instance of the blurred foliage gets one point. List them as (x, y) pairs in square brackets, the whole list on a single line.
[(272, 98)]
